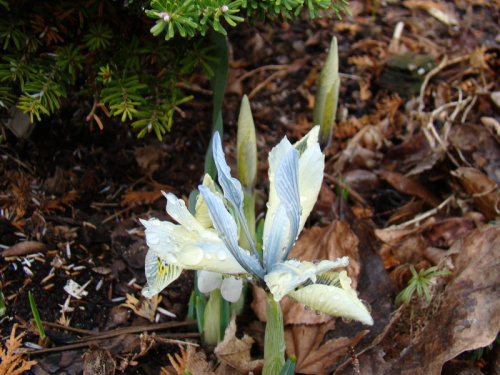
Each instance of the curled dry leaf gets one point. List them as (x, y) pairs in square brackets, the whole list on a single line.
[(483, 190), (145, 307), (409, 186), (23, 248), (331, 242), (463, 315), (236, 352), (304, 341)]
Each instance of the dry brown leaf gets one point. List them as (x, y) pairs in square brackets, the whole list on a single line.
[(236, 352), (304, 341), (145, 307), (409, 186), (484, 190), (331, 242), (140, 197), (191, 360), (463, 315), (24, 248), (149, 159), (13, 362)]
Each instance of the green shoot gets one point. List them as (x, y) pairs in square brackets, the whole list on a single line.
[(38, 321), (3, 308), (421, 283)]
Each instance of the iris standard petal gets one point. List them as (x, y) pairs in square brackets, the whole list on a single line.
[(275, 156), (287, 188), (333, 300), (311, 167), (227, 232), (178, 246), (201, 209), (159, 274), (276, 244)]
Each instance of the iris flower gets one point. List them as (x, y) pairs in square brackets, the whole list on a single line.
[(208, 240)]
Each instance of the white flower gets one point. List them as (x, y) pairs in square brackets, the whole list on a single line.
[(211, 243), (230, 286)]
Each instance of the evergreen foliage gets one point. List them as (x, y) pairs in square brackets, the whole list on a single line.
[(107, 50)]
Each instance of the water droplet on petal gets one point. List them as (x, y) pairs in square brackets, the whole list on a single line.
[(208, 256), (318, 313), (191, 255), (307, 308), (153, 239), (221, 255)]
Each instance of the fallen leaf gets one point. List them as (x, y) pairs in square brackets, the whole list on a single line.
[(236, 352), (313, 357), (463, 315), (145, 307), (24, 248), (149, 159), (484, 190), (409, 186)]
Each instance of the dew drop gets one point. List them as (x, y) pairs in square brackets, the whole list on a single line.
[(336, 297), (191, 255), (153, 239), (316, 262), (221, 255), (303, 198), (318, 313), (208, 256), (307, 308)]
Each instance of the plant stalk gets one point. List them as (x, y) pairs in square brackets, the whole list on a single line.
[(274, 343)]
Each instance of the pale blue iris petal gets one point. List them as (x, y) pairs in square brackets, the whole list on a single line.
[(230, 185), (282, 278), (287, 188), (231, 188), (159, 274), (227, 231), (276, 244)]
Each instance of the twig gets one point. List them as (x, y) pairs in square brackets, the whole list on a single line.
[(424, 215)]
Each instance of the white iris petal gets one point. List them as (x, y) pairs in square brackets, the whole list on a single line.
[(334, 300), (229, 286), (285, 276), (226, 228)]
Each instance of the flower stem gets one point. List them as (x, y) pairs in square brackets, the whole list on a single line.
[(274, 345), (211, 328)]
